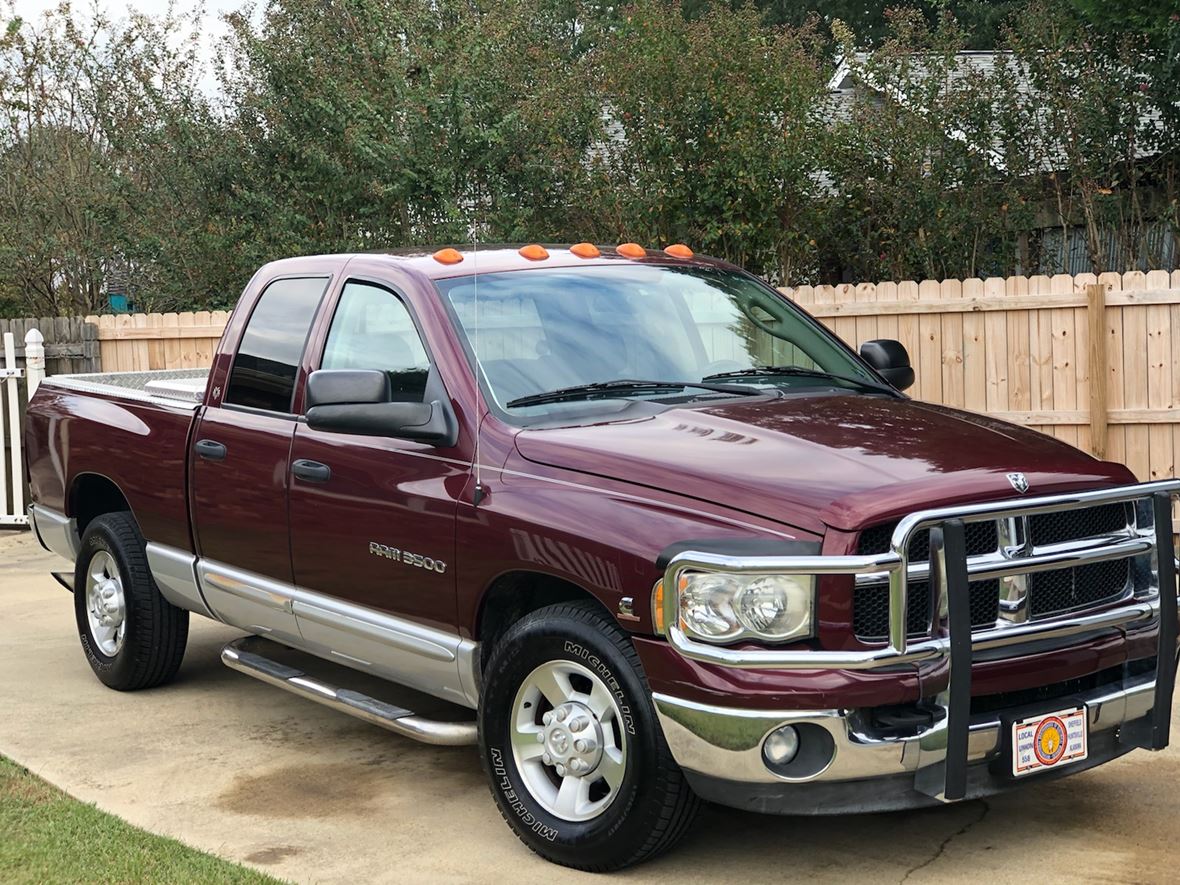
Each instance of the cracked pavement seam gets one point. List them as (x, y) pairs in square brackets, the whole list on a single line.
[(947, 841)]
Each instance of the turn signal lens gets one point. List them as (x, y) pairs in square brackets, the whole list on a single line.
[(678, 250), (657, 606), (448, 256), (585, 250), (533, 252), (631, 250)]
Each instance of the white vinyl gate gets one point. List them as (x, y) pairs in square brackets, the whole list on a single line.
[(12, 472)]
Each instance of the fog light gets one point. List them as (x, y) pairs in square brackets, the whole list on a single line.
[(780, 746)]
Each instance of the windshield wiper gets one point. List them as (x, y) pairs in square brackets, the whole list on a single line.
[(770, 371), (628, 385)]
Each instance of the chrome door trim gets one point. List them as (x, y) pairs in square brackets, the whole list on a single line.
[(247, 600), (369, 624), (247, 585), (434, 661), (175, 573)]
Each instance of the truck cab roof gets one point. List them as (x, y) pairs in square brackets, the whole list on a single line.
[(466, 259)]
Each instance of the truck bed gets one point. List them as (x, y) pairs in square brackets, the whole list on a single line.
[(183, 386)]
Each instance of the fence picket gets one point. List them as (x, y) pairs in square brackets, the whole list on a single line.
[(9, 432)]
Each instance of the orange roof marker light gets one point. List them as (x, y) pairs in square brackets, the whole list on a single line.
[(678, 250), (448, 256), (585, 250), (533, 252), (631, 250)]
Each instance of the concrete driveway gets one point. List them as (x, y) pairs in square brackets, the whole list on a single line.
[(253, 774)]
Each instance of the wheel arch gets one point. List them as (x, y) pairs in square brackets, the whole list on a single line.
[(517, 593), (92, 495)]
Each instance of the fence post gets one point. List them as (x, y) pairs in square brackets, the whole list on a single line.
[(1099, 369), (34, 360), (14, 515)]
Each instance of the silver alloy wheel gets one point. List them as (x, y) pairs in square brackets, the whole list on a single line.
[(106, 609), (569, 740)]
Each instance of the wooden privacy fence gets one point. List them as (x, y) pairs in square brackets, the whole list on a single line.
[(71, 343), (1092, 360), (130, 342)]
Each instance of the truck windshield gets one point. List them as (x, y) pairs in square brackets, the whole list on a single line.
[(544, 330)]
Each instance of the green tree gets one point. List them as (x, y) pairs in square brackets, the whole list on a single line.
[(981, 20), (920, 188), (93, 177), (715, 136), (372, 123), (1090, 130)]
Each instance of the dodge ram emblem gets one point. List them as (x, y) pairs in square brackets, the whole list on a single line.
[(1019, 482)]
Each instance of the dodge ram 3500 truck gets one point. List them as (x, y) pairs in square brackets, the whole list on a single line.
[(668, 537)]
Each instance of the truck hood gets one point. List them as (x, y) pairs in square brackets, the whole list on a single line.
[(843, 461)]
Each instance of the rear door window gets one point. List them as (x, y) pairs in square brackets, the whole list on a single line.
[(267, 362)]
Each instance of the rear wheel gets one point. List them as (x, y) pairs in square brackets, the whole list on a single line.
[(132, 636), (578, 765)]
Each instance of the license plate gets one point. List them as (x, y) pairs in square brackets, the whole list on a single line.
[(1049, 741)]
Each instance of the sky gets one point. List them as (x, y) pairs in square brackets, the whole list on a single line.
[(212, 27)]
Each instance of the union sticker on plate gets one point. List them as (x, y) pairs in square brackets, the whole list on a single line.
[(1048, 741)]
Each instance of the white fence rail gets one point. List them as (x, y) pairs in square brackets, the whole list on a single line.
[(12, 473)]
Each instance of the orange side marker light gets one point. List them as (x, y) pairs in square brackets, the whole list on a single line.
[(678, 250), (448, 256), (533, 252), (585, 250), (631, 250)]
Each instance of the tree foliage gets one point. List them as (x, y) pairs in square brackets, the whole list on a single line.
[(713, 138), (366, 124)]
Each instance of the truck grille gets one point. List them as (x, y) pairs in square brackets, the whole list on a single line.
[(1049, 593)]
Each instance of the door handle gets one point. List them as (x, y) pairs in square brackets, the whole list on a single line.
[(311, 471), (210, 450)]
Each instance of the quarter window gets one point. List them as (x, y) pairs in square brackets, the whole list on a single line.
[(267, 363), (373, 329)]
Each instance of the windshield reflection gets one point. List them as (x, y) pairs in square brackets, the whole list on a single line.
[(539, 330)]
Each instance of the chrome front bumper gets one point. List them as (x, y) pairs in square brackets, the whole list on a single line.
[(726, 743)]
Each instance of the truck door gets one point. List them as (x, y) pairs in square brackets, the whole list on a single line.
[(239, 464), (373, 519)]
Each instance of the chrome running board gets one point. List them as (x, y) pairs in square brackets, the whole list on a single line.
[(387, 716)]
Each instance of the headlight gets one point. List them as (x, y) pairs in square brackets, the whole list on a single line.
[(721, 607)]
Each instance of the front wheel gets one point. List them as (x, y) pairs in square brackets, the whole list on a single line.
[(578, 765)]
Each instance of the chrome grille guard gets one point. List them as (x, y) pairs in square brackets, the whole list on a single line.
[(942, 770)]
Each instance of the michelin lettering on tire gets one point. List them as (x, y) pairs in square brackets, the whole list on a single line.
[(603, 671), (504, 783)]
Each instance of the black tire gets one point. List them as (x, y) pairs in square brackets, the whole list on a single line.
[(654, 805), (156, 631)]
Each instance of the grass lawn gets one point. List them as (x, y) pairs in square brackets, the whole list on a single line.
[(45, 836)]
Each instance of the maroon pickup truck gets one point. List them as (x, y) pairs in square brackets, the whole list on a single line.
[(668, 537)]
